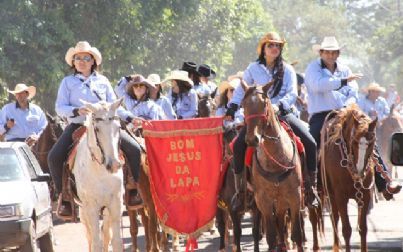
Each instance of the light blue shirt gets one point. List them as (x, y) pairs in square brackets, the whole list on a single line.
[(324, 92), (259, 75), (238, 117), (75, 88), (202, 89), (28, 122), (186, 104), (148, 110), (380, 106), (166, 106)]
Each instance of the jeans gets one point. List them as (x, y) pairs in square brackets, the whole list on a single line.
[(59, 153)]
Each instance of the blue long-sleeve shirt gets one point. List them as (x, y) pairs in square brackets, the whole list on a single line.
[(185, 105), (259, 75), (75, 88), (324, 92), (28, 122), (166, 106)]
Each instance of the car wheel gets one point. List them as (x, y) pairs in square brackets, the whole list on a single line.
[(46, 242), (30, 244)]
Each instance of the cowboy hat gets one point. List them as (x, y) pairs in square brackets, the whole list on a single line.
[(328, 44), (189, 67), (375, 87), (269, 37), (229, 84), (154, 79), (21, 87), (137, 79), (205, 71), (238, 75), (83, 47), (179, 75)]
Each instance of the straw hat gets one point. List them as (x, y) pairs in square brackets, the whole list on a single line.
[(375, 87), (229, 84), (328, 44), (138, 79), (83, 47), (179, 75), (154, 79), (269, 37), (21, 87)]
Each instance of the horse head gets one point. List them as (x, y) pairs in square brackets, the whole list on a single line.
[(258, 112), (360, 137), (204, 106), (104, 132)]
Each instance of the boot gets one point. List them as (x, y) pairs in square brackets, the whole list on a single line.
[(64, 209), (237, 202), (391, 188), (135, 200), (311, 195)]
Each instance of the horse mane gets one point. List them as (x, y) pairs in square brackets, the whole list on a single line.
[(345, 118)]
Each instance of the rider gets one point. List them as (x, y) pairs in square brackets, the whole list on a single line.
[(22, 120), (226, 90), (85, 85), (208, 88), (270, 68), (159, 98), (373, 104), (332, 86), (181, 95)]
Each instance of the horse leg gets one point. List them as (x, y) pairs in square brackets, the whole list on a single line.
[(220, 220), (106, 227), (145, 221), (89, 215), (256, 228), (296, 223), (134, 228), (314, 219), (346, 226), (335, 220), (271, 227), (362, 222), (175, 242), (281, 211), (236, 221), (153, 230), (115, 214)]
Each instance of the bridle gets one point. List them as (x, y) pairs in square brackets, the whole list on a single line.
[(96, 120)]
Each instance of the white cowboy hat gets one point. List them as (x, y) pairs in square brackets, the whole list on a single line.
[(375, 87), (154, 79), (229, 84), (21, 87), (328, 44), (83, 47), (179, 75)]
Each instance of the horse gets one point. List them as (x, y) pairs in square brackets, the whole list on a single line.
[(205, 106), (346, 154), (225, 208), (389, 125), (276, 169), (99, 177)]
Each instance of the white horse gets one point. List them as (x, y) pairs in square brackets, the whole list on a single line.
[(98, 176)]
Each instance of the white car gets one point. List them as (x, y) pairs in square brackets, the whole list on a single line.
[(25, 205)]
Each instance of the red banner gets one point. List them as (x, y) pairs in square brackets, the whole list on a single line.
[(185, 158)]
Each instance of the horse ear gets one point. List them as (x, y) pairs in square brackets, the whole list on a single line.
[(244, 85), (49, 117), (115, 105), (267, 86), (89, 105), (391, 109), (372, 125)]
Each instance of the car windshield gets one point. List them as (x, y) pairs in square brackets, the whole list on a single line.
[(10, 168)]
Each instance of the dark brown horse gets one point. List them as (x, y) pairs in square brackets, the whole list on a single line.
[(276, 173), (225, 208), (384, 131), (347, 146), (205, 106)]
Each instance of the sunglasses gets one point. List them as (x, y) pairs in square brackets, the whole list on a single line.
[(138, 85), (84, 58), (274, 45), (231, 90)]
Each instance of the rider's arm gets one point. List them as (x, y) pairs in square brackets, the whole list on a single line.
[(62, 106), (3, 120), (120, 88), (317, 82)]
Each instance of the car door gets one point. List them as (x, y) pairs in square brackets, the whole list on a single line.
[(43, 204)]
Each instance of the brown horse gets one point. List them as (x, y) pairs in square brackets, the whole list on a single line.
[(384, 131), (276, 172), (347, 146), (225, 208)]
